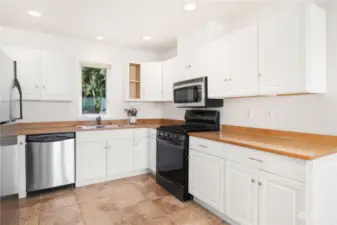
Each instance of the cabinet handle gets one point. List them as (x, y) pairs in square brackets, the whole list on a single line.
[(202, 146), (257, 160)]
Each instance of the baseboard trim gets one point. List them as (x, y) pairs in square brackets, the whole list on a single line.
[(215, 212), (81, 183)]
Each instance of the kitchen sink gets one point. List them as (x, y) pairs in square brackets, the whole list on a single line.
[(100, 126)]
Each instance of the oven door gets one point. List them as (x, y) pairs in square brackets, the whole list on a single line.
[(172, 160)]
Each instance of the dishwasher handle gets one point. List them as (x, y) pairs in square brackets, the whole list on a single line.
[(50, 137)]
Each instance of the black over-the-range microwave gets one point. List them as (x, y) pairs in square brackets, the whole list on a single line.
[(193, 93)]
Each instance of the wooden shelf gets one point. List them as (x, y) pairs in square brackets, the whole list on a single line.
[(134, 81)]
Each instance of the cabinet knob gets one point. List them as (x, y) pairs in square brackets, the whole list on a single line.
[(225, 79), (36, 86), (230, 79), (260, 183), (260, 75), (44, 87), (253, 180)]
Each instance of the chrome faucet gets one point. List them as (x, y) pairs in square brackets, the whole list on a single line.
[(99, 121)]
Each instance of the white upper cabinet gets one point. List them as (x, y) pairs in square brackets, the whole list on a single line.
[(289, 196), (282, 53), (151, 81), (58, 76), (43, 75), (192, 51), (232, 63), (169, 77), (218, 67), (292, 51), (243, 62), (29, 70)]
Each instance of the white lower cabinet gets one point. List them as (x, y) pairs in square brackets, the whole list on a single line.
[(119, 156), (110, 154), (141, 153), (153, 153), (281, 201), (241, 193), (249, 187), (206, 178), (91, 160)]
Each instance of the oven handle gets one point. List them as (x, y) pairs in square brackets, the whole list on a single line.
[(168, 143)]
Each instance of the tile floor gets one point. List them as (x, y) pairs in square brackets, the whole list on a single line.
[(132, 201)]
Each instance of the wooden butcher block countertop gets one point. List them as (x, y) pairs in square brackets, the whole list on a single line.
[(75, 126), (297, 145)]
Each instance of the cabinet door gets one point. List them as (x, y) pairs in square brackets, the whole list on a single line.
[(29, 70), (151, 81), (279, 49), (92, 160), (218, 67), (243, 62), (153, 154), (141, 154), (241, 193), (119, 156), (169, 77), (281, 201), (57, 77), (206, 178)]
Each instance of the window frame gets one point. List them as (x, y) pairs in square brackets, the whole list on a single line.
[(100, 66)]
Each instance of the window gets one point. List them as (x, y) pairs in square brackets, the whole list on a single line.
[(94, 100)]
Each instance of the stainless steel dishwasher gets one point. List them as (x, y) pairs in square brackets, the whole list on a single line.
[(50, 161)]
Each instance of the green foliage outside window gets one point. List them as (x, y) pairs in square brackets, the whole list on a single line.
[(93, 90)]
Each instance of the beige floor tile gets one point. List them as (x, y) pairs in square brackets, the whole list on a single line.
[(150, 210), (126, 195), (69, 215), (98, 207), (170, 204), (133, 201), (92, 192), (58, 201)]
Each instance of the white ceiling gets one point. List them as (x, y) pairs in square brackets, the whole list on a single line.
[(121, 22)]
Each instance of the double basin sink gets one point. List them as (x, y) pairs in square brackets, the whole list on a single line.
[(101, 126)]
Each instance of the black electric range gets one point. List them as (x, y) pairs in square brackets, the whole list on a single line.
[(172, 150)]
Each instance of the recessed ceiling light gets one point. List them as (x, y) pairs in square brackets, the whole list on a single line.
[(34, 13), (100, 38), (189, 7), (147, 38)]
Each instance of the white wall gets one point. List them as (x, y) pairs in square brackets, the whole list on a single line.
[(83, 51), (168, 55), (314, 114)]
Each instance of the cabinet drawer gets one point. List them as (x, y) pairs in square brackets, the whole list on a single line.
[(277, 164), (209, 147), (104, 135), (141, 132)]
